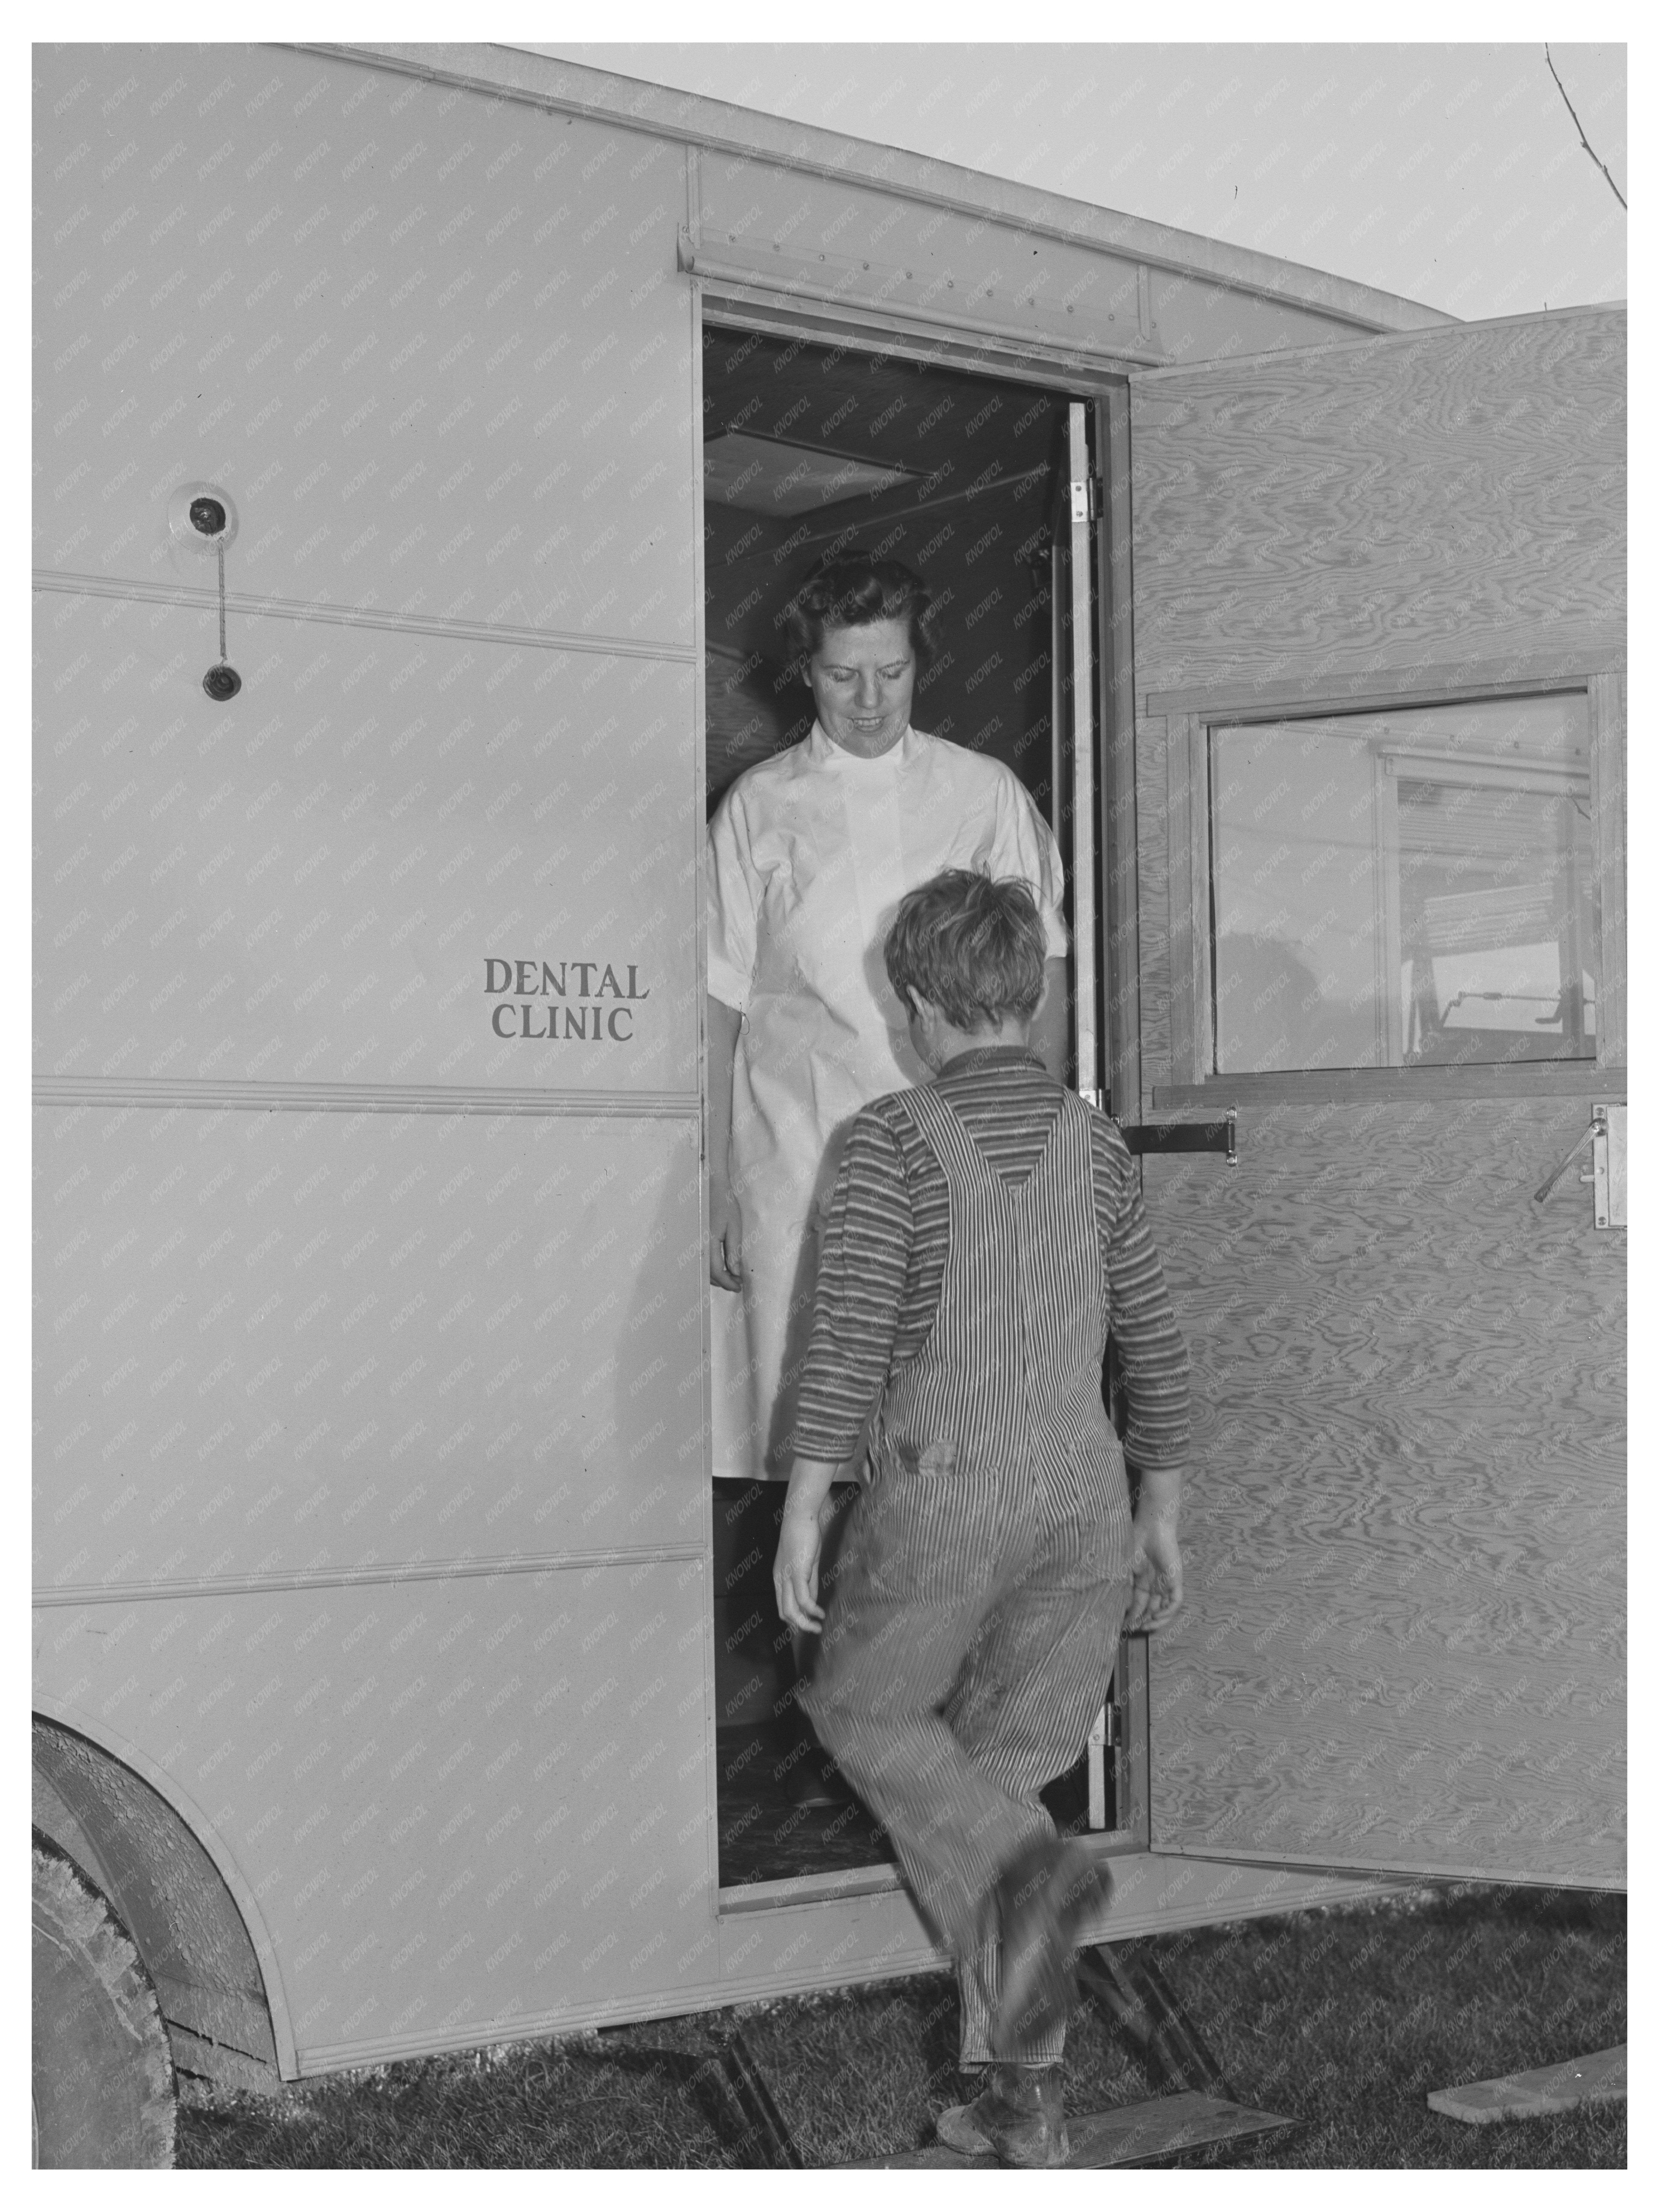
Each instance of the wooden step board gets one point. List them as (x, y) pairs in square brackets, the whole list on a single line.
[(1598, 2080), (1125, 2136)]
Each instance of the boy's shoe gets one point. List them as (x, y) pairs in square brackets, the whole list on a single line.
[(809, 1778), (1019, 2116), (1042, 1898), (812, 1785)]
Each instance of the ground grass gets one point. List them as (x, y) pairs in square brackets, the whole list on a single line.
[(1341, 2019)]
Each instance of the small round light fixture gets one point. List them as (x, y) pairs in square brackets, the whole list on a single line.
[(222, 681), (208, 515)]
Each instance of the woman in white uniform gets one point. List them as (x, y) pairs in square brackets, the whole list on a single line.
[(809, 854)]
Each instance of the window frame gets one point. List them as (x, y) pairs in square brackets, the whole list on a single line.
[(1190, 718)]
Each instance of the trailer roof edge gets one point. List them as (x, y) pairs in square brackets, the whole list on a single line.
[(1290, 356), (514, 72)]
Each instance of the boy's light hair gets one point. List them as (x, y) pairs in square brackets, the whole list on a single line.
[(973, 946)]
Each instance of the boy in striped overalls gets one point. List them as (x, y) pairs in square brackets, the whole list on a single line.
[(984, 1232)]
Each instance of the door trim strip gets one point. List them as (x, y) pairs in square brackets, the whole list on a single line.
[(1541, 1079), (208, 1095), (877, 283), (406, 1570), (1382, 688), (76, 585)]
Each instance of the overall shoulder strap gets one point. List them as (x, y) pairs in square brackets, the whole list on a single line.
[(1069, 1140), (943, 1132)]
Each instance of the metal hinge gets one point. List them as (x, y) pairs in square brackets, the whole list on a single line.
[(1087, 499), (1107, 1728)]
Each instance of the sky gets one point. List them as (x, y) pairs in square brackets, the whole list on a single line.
[(1451, 174)]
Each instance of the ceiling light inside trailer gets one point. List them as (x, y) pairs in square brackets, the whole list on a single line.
[(770, 476)]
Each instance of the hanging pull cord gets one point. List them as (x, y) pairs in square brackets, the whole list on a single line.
[(221, 683), (1562, 1166)]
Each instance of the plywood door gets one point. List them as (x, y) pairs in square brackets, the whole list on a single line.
[(1403, 1646)]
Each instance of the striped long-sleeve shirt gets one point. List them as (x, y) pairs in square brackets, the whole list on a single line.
[(882, 1258)]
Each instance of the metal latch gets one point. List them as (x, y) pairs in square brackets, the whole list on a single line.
[(1143, 1136), (1604, 1137), (1105, 1734), (1607, 1166)]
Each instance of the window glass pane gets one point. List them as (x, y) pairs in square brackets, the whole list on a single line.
[(1401, 890)]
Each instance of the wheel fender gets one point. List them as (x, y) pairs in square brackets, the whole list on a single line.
[(173, 1880)]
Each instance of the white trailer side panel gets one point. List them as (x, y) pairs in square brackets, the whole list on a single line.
[(301, 1344), (460, 1812), (432, 344), (354, 1282), (345, 876)]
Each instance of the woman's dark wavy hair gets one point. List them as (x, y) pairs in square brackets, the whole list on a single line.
[(972, 945), (849, 590)]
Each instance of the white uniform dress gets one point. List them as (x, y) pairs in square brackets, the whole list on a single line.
[(809, 854)]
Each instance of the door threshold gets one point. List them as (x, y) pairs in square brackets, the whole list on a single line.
[(875, 1880), (808, 1889)]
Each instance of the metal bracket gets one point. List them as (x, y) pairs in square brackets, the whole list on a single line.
[(1605, 1136), (1105, 1733), (1219, 1137), (1607, 1170), (728, 2086), (1126, 1985)]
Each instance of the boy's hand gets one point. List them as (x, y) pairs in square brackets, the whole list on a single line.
[(1155, 1576), (795, 1570)]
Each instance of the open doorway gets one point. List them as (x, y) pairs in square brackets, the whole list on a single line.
[(811, 449)]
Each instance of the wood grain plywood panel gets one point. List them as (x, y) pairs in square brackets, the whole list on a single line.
[(1451, 496), (464, 1809), (432, 344), (281, 1344), (1403, 1646), (307, 883)]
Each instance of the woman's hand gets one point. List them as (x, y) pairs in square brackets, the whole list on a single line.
[(724, 1025), (725, 1237)]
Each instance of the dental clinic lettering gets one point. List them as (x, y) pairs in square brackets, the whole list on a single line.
[(565, 997)]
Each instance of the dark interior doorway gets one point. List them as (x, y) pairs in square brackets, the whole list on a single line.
[(784, 1810), (971, 468), (808, 449)]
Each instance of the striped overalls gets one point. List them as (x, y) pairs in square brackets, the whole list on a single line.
[(973, 1627)]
